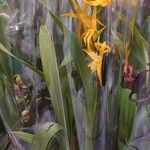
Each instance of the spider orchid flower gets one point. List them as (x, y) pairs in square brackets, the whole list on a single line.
[(89, 22), (88, 30), (81, 14)]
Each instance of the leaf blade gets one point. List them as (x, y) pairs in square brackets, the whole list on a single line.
[(27, 137), (4, 49)]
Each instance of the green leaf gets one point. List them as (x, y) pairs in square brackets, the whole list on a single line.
[(119, 41), (126, 114), (2, 2), (66, 60), (27, 137), (8, 106), (90, 87), (137, 57), (5, 65), (44, 136), (138, 53), (65, 87), (51, 72), (78, 57), (4, 49), (138, 43)]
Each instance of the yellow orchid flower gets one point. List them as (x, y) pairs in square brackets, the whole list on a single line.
[(88, 29), (102, 48), (89, 22), (92, 31), (91, 35), (96, 64), (102, 3), (81, 14)]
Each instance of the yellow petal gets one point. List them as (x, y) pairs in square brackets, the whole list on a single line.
[(97, 66), (75, 5), (99, 72), (97, 33), (102, 48), (93, 66), (101, 24), (87, 36), (70, 14), (93, 55), (102, 3), (78, 31), (88, 21)]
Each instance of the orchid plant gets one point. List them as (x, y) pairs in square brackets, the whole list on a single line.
[(94, 69)]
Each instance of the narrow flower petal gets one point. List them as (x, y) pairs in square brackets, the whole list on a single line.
[(99, 72), (70, 14), (96, 64), (102, 3), (93, 66), (93, 55), (89, 21), (102, 48), (87, 36), (97, 33)]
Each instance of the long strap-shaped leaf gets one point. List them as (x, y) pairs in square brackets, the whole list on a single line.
[(4, 59), (78, 57), (90, 88), (7, 103), (44, 136), (27, 137), (49, 62), (4, 49)]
